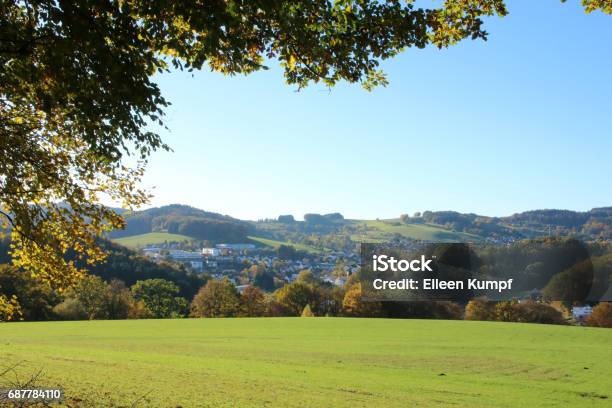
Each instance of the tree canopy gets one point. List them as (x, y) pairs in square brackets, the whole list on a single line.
[(77, 95)]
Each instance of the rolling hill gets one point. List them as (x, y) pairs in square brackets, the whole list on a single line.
[(275, 244), (176, 223), (183, 220), (382, 230), (151, 238)]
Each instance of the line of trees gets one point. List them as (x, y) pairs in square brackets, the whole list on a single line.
[(94, 298), (596, 223), (513, 311)]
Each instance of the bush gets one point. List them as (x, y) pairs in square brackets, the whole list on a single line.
[(480, 309), (307, 312), (71, 309), (601, 316), (274, 308), (505, 311), (534, 312), (528, 312), (353, 305), (138, 310), (295, 296)]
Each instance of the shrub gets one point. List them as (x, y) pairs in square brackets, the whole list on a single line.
[(307, 312), (138, 310), (528, 312), (480, 309), (534, 312), (71, 309), (505, 311), (295, 296), (275, 309), (353, 305), (601, 316)]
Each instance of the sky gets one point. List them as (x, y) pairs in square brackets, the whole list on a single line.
[(522, 121)]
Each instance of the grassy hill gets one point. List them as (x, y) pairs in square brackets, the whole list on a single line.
[(317, 362), (369, 231), (334, 232), (151, 238), (275, 244), (184, 220), (440, 226), (375, 231)]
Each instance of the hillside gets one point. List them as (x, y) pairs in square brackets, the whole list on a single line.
[(380, 230), (321, 232), (129, 266), (317, 362), (592, 224), (150, 238), (184, 220), (275, 244), (126, 265)]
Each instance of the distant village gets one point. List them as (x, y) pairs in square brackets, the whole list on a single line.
[(229, 260)]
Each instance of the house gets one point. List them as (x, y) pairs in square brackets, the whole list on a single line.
[(193, 259), (235, 247), (214, 252), (152, 252), (580, 313)]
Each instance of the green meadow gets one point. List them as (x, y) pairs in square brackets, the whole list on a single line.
[(151, 238), (379, 230), (314, 362), (275, 244)]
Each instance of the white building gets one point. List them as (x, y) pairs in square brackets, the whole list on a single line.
[(579, 313), (235, 247), (153, 253), (194, 259), (180, 255), (211, 251)]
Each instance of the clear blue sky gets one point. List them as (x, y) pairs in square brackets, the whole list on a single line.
[(522, 121)]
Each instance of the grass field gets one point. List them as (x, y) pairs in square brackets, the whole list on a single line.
[(275, 244), (316, 362), (152, 238), (378, 231)]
